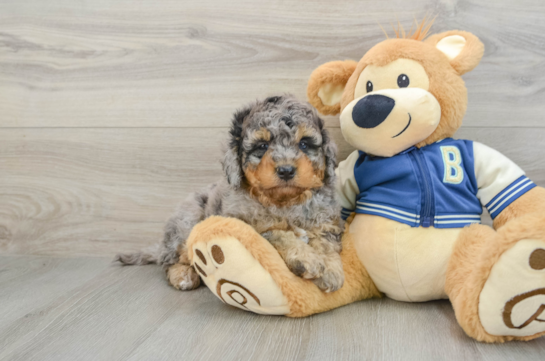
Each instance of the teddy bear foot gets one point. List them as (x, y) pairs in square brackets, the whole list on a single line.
[(236, 277), (512, 301)]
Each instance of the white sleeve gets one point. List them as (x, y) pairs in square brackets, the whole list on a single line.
[(346, 187), (500, 181)]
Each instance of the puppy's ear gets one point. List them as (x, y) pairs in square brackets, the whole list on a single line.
[(464, 50), (326, 85), (231, 162), (330, 152)]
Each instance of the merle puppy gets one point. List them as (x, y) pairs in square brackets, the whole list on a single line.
[(279, 178)]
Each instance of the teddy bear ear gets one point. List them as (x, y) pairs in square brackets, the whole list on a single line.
[(326, 85), (464, 50)]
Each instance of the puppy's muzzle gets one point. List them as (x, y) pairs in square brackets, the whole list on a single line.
[(370, 111), (286, 172)]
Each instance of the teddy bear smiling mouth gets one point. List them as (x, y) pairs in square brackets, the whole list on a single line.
[(404, 129)]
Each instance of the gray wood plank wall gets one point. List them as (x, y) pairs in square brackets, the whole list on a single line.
[(112, 111)]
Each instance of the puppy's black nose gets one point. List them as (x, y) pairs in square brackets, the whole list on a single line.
[(372, 110), (285, 172)]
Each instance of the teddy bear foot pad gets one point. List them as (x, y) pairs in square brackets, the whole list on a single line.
[(512, 302), (237, 278)]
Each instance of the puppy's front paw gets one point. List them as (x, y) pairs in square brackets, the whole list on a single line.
[(301, 259), (333, 277), (308, 266)]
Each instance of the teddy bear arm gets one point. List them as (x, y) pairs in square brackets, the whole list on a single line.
[(532, 202), (346, 186), (504, 189)]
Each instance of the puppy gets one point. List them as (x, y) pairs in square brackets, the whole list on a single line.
[(279, 178)]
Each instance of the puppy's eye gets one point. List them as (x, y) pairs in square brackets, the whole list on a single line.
[(303, 145), (259, 150), (403, 81), (369, 86)]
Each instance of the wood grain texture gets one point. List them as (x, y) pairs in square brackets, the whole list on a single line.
[(110, 63), (102, 191), (130, 313), (81, 191)]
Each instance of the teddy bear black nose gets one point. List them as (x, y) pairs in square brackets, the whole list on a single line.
[(372, 110), (285, 172)]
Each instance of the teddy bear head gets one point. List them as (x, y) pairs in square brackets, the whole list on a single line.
[(403, 92)]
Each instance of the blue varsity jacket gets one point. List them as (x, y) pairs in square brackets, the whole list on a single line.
[(442, 185)]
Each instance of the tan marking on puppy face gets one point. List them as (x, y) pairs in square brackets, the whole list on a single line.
[(263, 134), (264, 175), (281, 196), (304, 131), (307, 176)]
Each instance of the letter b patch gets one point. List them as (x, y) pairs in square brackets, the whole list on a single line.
[(454, 173)]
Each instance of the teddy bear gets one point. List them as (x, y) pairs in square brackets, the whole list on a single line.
[(413, 198)]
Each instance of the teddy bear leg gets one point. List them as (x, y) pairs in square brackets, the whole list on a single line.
[(496, 281), (244, 270)]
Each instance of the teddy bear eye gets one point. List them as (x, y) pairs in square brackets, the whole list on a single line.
[(370, 86), (403, 81)]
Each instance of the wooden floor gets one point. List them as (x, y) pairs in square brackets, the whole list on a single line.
[(88, 309), (112, 111)]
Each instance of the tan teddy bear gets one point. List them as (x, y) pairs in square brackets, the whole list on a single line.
[(417, 195)]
